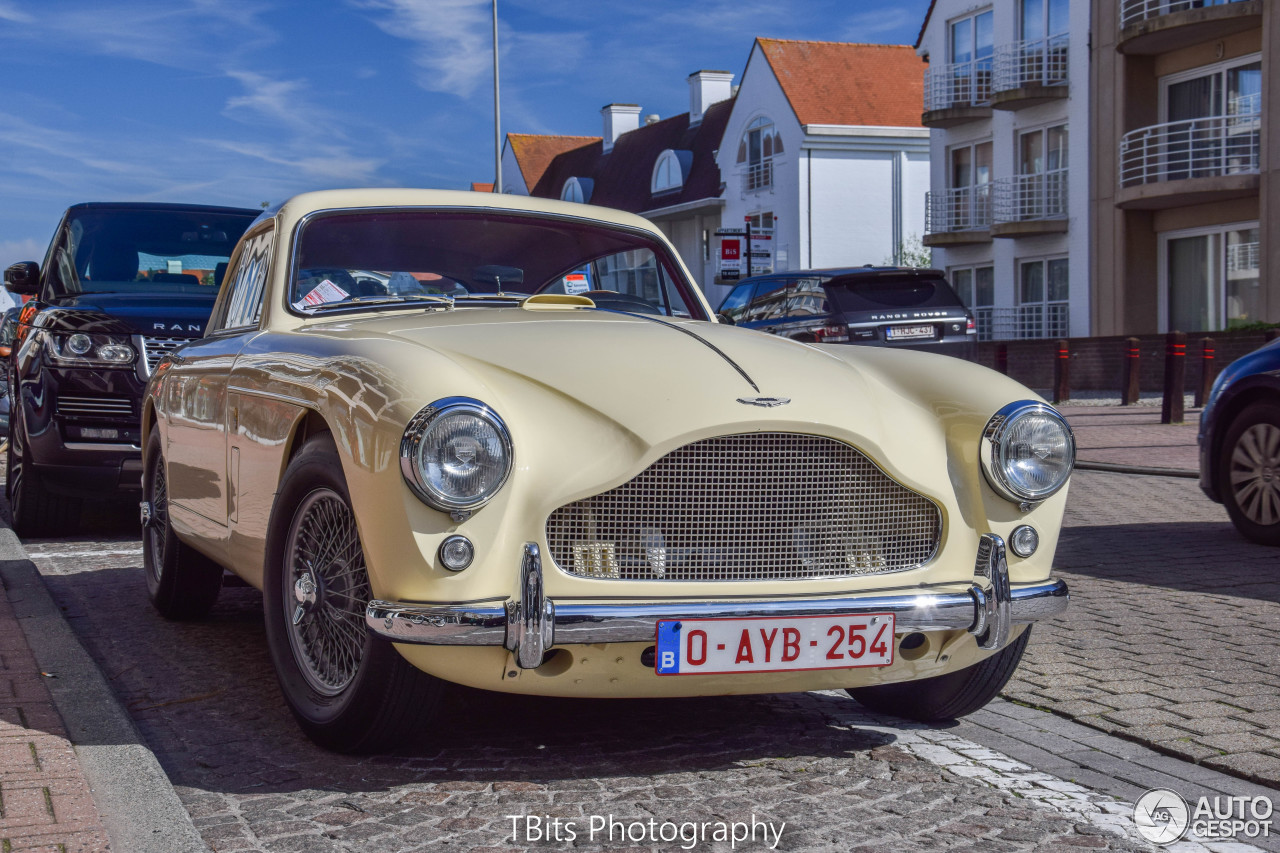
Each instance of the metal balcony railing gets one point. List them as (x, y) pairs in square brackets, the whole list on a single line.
[(1029, 198), (963, 209), (1198, 148), (1036, 62), (1136, 11), (1242, 257), (758, 176), (1023, 322), (965, 84)]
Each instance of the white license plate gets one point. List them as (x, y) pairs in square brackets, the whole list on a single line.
[(767, 644), (897, 333)]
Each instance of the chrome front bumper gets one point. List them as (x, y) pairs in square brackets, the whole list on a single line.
[(531, 625)]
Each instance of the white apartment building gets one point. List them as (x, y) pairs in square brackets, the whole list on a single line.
[(1006, 99)]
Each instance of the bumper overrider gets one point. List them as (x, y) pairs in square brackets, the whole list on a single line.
[(531, 625)]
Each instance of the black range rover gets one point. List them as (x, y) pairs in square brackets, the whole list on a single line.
[(876, 306), (121, 285)]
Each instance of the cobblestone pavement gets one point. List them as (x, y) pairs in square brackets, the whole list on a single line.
[(205, 700), (1173, 635), (1133, 435)]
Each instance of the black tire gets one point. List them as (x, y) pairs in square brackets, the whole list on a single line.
[(182, 583), (1249, 472), (946, 697), (35, 510), (349, 690)]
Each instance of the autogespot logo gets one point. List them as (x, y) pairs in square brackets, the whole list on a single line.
[(1161, 816)]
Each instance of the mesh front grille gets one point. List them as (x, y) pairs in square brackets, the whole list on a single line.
[(763, 506), (157, 348)]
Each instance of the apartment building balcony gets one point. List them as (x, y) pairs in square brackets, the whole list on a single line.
[(958, 217), (1030, 72), (1025, 205), (954, 94), (757, 176), (1159, 26), (1190, 162)]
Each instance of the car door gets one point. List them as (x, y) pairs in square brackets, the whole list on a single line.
[(199, 419), (768, 306)]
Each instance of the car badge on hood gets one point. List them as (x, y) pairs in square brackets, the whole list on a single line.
[(767, 402)]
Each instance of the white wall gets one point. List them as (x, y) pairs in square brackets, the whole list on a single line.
[(512, 179)]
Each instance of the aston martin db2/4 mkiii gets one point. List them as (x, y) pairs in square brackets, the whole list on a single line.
[(504, 442)]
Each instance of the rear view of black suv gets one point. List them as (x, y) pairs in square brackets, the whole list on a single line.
[(121, 285), (875, 306)]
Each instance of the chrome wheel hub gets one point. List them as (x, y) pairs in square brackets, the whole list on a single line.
[(1255, 484), (326, 590)]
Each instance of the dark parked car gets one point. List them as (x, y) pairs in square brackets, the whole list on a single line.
[(1240, 444), (122, 284), (875, 306)]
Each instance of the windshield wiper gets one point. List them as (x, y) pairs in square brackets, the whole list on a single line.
[(376, 301)]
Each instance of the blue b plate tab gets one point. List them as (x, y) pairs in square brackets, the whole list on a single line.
[(667, 660)]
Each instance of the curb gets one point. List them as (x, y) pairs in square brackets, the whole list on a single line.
[(140, 810), (1121, 468)]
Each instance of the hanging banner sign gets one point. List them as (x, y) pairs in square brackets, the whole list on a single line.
[(761, 254)]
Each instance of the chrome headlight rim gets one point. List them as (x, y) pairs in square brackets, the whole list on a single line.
[(62, 353), (416, 431), (992, 436)]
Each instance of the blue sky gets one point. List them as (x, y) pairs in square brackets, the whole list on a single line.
[(230, 102)]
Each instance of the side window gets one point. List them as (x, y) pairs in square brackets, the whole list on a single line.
[(807, 298), (735, 305), (247, 283), (769, 301)]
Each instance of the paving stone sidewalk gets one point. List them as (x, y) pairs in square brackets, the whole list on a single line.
[(45, 801), (1133, 435)]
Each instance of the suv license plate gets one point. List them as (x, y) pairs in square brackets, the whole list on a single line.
[(768, 644), (898, 333)]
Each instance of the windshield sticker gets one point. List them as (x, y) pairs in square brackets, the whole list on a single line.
[(576, 283), (325, 291)]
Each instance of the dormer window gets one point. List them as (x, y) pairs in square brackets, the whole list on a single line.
[(577, 190), (670, 170), (760, 144)]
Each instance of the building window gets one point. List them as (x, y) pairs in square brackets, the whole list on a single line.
[(1043, 309), (976, 287), (1217, 112), (577, 190), (760, 144), (1209, 278), (1040, 188), (669, 171), (1043, 18), (971, 43), (968, 204)]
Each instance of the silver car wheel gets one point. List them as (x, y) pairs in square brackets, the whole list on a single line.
[(1255, 473), (326, 589)]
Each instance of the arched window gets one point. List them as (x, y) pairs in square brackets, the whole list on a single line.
[(577, 190), (760, 144), (670, 170)]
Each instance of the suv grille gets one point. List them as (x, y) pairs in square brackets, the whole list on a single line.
[(763, 506), (96, 407), (156, 348)]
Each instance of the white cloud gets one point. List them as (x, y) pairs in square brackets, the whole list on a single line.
[(26, 249), (454, 39), (326, 163), (10, 12)]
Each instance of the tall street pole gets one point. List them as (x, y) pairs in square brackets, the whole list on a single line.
[(497, 115)]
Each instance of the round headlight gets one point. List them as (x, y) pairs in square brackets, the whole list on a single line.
[(1027, 451), (456, 454), (79, 344)]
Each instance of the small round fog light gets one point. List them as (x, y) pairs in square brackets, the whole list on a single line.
[(79, 344), (1024, 541), (456, 553)]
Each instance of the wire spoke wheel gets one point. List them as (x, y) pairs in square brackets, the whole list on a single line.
[(325, 588), (1254, 475), (158, 524)]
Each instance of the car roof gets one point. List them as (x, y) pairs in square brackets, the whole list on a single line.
[(849, 272), (161, 206)]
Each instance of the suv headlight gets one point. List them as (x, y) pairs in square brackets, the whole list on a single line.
[(83, 348), (456, 454), (1027, 451)]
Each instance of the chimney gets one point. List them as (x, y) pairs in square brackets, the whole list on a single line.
[(618, 119), (707, 88)]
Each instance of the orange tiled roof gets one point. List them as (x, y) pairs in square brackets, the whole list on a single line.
[(534, 152), (481, 188), (879, 85)]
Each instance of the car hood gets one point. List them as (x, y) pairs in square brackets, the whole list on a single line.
[(162, 315)]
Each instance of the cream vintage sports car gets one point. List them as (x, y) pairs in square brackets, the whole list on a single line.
[(503, 442)]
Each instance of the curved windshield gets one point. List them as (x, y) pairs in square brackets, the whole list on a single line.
[(384, 258), (159, 251)]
